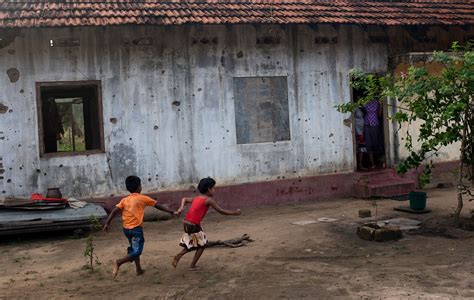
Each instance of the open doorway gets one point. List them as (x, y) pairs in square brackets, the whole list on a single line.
[(369, 133)]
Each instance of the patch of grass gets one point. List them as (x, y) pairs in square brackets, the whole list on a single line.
[(89, 253)]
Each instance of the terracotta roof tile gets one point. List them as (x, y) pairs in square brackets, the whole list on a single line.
[(54, 13)]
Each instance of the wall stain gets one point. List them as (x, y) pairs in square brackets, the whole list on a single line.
[(13, 74), (3, 108)]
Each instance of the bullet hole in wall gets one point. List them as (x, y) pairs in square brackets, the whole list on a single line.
[(13, 74), (3, 108)]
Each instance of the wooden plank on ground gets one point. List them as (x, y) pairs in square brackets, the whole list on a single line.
[(13, 201)]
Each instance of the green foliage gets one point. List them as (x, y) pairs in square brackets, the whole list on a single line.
[(95, 226), (442, 105)]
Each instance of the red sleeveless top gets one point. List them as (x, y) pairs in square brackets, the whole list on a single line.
[(197, 211)]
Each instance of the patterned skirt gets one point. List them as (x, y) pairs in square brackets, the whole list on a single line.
[(193, 237)]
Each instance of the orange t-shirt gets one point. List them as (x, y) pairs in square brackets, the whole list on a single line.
[(133, 209)]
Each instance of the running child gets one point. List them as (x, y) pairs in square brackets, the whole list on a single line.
[(194, 237), (132, 208)]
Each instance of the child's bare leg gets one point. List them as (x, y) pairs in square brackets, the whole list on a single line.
[(138, 266), (197, 255), (118, 263), (178, 257)]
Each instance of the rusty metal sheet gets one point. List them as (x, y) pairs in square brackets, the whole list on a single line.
[(261, 109)]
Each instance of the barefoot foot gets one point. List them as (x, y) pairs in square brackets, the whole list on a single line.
[(115, 269), (140, 272), (175, 261)]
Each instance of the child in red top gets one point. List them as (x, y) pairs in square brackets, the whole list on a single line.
[(194, 237)]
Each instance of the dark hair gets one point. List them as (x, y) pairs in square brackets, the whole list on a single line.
[(206, 184), (133, 183)]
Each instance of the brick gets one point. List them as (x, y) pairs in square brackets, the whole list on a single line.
[(387, 233), (365, 213), (366, 233)]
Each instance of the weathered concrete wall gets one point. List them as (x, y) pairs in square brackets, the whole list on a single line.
[(412, 46), (445, 153), (168, 145)]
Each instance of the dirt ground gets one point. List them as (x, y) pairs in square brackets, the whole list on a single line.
[(320, 260)]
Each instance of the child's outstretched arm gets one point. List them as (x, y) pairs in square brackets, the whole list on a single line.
[(112, 215), (183, 202), (210, 202), (164, 208)]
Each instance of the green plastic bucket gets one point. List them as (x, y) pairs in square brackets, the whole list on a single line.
[(417, 200)]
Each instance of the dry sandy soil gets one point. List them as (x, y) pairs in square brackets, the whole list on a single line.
[(320, 260)]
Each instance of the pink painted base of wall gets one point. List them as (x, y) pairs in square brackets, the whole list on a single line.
[(307, 189), (253, 194), (441, 172)]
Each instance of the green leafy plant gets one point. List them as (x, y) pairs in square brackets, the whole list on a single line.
[(95, 226), (441, 104)]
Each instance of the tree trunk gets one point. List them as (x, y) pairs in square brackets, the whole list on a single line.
[(471, 138), (457, 212)]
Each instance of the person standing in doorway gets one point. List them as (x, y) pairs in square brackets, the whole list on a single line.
[(359, 135), (372, 130)]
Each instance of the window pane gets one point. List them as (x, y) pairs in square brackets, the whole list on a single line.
[(71, 117), (71, 113)]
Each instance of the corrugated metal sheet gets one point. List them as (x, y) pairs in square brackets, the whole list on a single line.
[(18, 13)]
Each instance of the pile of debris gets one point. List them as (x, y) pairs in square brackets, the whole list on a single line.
[(41, 214)]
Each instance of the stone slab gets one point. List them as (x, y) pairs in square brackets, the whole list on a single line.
[(408, 209), (401, 223)]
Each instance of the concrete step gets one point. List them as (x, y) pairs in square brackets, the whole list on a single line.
[(383, 187), (385, 173)]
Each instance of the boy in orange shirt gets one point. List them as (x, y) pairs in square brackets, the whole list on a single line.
[(133, 209)]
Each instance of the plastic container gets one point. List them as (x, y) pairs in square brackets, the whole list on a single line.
[(417, 200)]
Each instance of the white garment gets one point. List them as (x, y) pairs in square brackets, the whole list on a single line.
[(359, 121), (74, 203)]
